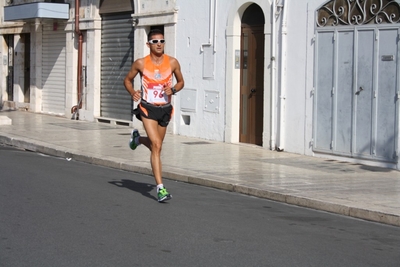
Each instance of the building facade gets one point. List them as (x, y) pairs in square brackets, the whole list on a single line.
[(313, 77)]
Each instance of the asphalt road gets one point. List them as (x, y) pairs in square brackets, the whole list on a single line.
[(55, 212)]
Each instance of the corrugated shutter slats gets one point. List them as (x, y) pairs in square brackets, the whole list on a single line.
[(53, 70), (116, 60)]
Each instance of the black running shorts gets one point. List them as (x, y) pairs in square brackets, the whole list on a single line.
[(161, 114)]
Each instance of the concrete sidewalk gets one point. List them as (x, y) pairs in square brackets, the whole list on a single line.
[(349, 189)]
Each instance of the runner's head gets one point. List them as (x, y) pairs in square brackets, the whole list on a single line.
[(153, 33), (156, 42)]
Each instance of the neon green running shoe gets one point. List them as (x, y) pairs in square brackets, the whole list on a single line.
[(132, 142), (163, 195)]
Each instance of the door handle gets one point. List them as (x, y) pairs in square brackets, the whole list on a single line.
[(359, 90), (252, 91)]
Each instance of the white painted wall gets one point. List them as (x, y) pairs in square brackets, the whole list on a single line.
[(90, 26), (291, 126), (218, 22), (197, 27), (299, 77), (298, 74), (214, 22)]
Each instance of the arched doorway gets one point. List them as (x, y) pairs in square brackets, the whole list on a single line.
[(252, 76)]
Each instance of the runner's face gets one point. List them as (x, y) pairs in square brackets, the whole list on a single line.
[(157, 48)]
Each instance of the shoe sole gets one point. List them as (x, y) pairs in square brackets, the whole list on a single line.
[(165, 198), (132, 140), (133, 148)]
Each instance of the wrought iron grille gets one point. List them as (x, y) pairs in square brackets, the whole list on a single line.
[(358, 12)]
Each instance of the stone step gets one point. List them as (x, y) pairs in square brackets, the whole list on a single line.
[(4, 120)]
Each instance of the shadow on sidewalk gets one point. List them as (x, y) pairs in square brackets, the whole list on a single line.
[(142, 188)]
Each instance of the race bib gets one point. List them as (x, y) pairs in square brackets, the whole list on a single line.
[(155, 94)]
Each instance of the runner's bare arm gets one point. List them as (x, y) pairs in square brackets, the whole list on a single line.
[(176, 70), (136, 68)]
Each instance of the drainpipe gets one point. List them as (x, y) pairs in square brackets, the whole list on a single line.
[(273, 79), (75, 109), (212, 27), (282, 114), (215, 26)]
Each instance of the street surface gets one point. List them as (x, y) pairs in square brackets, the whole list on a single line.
[(55, 212)]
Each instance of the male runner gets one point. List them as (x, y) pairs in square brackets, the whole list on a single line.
[(156, 72)]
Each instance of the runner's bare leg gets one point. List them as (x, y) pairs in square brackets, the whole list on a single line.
[(153, 141)]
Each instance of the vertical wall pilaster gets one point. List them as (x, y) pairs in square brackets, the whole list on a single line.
[(19, 52), (3, 71), (141, 49), (36, 66), (92, 62)]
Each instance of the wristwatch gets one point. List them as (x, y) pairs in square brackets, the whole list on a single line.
[(173, 90)]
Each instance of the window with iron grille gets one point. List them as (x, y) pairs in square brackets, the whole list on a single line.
[(358, 12)]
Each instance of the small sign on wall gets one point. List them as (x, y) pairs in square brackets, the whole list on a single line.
[(388, 58), (237, 59)]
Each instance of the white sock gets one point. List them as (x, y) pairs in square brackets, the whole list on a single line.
[(159, 186), (137, 140)]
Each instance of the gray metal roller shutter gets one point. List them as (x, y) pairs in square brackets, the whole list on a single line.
[(53, 71), (116, 60)]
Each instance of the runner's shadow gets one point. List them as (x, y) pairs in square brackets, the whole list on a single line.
[(141, 188)]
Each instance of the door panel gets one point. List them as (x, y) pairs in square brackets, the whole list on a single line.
[(386, 132), (27, 67), (344, 93), (364, 92), (323, 94), (10, 66), (244, 88), (252, 89)]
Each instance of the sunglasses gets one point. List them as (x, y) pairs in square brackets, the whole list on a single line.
[(156, 41)]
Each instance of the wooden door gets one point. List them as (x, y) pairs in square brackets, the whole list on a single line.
[(252, 85)]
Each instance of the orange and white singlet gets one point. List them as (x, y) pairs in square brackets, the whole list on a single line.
[(154, 79)]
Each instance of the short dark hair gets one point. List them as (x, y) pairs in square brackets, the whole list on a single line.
[(154, 32)]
